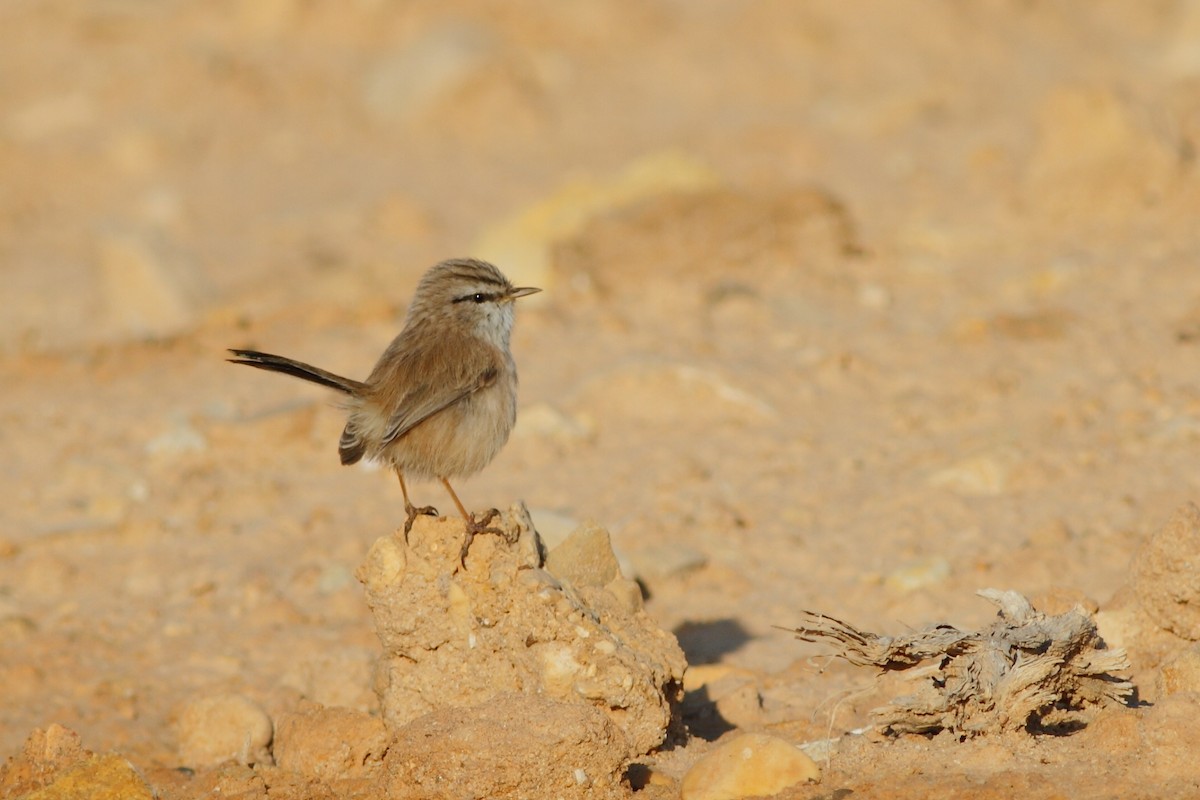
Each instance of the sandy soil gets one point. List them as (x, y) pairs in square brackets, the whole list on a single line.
[(849, 307)]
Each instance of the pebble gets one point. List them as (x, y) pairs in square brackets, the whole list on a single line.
[(925, 572), (96, 778), (981, 476), (586, 557), (750, 765), (219, 728)]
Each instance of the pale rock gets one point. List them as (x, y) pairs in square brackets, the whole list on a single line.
[(525, 239), (218, 728), (918, 575), (586, 557), (979, 476), (750, 765), (178, 439), (96, 777)]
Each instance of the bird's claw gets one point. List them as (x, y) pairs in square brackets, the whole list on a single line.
[(477, 525), (412, 512)]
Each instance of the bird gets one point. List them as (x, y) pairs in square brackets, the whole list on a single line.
[(441, 400)]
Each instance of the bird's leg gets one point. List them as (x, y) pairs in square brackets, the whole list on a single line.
[(411, 510), (474, 526)]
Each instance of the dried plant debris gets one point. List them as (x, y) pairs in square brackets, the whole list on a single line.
[(1027, 671)]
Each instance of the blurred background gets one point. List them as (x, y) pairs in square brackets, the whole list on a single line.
[(849, 306)]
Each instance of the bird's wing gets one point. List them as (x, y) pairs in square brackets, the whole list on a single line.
[(433, 379)]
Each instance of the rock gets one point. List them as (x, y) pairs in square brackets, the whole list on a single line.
[(586, 557), (179, 439), (219, 728), (107, 777), (514, 745), (455, 637), (329, 744), (54, 766), (980, 476), (750, 765), (918, 575), (526, 239), (1165, 578), (46, 752)]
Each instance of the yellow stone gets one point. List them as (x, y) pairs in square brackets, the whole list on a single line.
[(752, 765)]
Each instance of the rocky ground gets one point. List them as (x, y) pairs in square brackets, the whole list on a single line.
[(849, 308)]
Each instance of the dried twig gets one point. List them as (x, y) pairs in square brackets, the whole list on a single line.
[(1027, 671)]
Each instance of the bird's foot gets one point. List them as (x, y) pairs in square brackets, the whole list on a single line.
[(413, 512), (477, 525)]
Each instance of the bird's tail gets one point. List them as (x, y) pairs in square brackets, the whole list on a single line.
[(253, 358)]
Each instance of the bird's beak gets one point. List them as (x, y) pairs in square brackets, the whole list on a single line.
[(522, 291)]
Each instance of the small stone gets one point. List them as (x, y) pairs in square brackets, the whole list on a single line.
[(628, 594), (919, 574), (981, 476), (750, 765), (96, 778), (220, 728), (180, 438), (586, 557)]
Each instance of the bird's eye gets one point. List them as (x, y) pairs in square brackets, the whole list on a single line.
[(479, 297)]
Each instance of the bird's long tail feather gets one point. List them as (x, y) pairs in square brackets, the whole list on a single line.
[(297, 369)]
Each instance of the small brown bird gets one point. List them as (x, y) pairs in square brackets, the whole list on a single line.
[(441, 400)]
